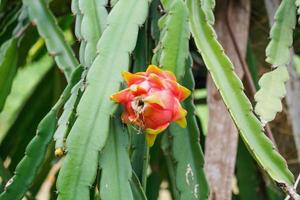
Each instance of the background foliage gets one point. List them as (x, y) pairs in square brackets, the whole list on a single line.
[(61, 136)]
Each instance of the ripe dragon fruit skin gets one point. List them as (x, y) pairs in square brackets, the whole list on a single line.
[(152, 101)]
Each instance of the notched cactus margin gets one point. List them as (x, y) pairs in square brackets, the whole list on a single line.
[(238, 104), (190, 177), (42, 17), (66, 119), (181, 146), (114, 164), (278, 54), (35, 152), (93, 23), (281, 34), (8, 68), (78, 20), (27, 168), (174, 37), (272, 90), (208, 8), (90, 23), (116, 43)]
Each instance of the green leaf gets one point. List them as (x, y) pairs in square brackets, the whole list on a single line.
[(190, 178), (8, 22), (27, 41), (297, 64), (154, 16), (76, 12), (2, 4), (47, 27), (113, 2), (91, 128), (186, 152), (24, 126), (281, 34), (231, 89), (4, 174), (93, 23), (248, 176), (269, 97), (23, 22), (21, 93), (89, 25), (138, 143), (158, 171), (144, 49), (272, 90), (137, 190), (208, 7), (167, 151), (67, 118), (27, 168), (184, 148), (8, 68), (36, 149), (174, 38), (78, 21), (115, 164), (65, 121)]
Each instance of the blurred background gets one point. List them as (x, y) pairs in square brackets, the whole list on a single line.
[(243, 29)]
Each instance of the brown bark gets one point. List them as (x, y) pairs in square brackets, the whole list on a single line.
[(222, 137)]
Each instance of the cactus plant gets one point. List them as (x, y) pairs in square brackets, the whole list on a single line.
[(89, 147)]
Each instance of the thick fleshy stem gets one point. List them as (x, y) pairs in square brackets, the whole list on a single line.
[(145, 164)]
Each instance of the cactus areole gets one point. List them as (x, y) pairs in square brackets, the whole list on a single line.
[(152, 101)]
